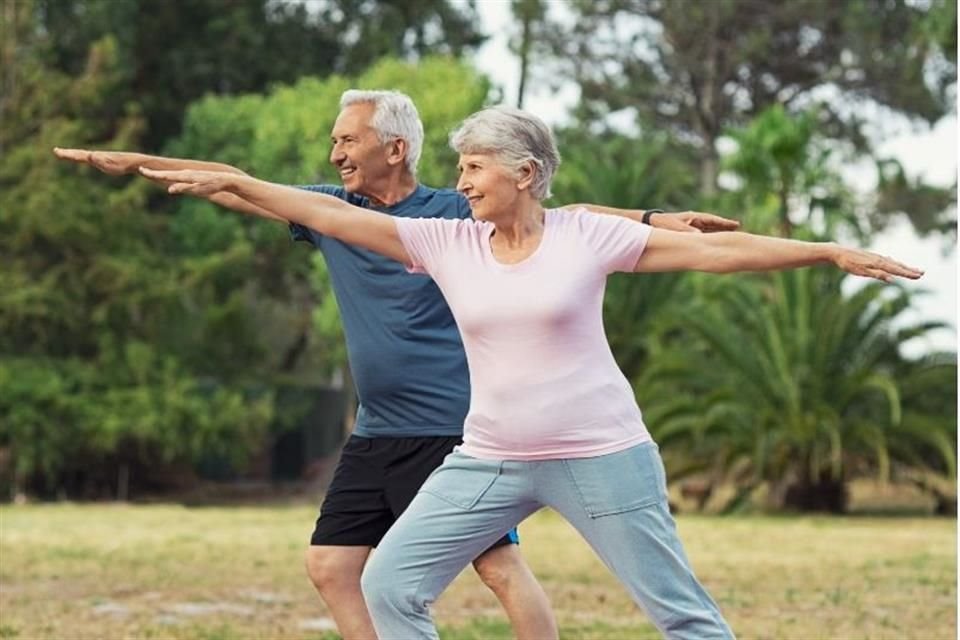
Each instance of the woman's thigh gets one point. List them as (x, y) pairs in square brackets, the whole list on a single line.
[(463, 508)]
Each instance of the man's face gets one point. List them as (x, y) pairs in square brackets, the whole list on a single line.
[(357, 153)]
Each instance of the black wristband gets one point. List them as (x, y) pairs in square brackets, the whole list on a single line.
[(649, 212)]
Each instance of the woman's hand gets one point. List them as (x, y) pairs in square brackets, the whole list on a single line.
[(202, 184), (872, 265)]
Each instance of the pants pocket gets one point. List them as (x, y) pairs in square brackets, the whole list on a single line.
[(619, 482), (462, 480)]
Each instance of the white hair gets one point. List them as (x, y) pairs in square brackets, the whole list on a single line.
[(394, 116), (515, 137)]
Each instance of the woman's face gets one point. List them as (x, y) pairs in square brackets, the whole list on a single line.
[(491, 188)]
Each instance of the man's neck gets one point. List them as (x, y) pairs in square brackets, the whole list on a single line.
[(392, 191)]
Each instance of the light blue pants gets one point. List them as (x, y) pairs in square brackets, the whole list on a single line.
[(618, 503)]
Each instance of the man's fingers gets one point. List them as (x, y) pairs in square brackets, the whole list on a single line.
[(74, 155)]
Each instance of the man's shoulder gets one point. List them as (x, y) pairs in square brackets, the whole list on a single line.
[(443, 203), (336, 191)]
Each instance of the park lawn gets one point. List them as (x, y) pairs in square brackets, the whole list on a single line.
[(166, 571)]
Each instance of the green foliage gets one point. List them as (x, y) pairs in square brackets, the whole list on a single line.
[(790, 174), (175, 52), (92, 353), (696, 69), (795, 384)]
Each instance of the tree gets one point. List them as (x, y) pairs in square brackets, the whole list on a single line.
[(531, 15), (788, 174), (87, 299), (172, 53), (695, 68), (795, 386)]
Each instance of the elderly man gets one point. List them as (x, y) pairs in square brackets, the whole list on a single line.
[(405, 353)]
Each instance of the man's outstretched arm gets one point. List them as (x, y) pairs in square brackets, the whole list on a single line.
[(689, 221), (119, 163)]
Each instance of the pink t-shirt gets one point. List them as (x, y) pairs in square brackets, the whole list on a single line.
[(543, 380)]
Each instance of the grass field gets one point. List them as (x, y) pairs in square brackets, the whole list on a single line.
[(71, 572)]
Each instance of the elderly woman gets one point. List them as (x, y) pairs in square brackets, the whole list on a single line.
[(552, 420)]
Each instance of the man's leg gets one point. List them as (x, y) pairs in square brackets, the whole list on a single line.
[(354, 517), (335, 572), (504, 570)]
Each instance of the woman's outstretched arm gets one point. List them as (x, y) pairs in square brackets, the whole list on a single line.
[(730, 252), (326, 214)]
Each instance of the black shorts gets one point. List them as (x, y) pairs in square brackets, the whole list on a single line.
[(374, 482)]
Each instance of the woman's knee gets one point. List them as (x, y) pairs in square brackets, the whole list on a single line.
[(380, 591)]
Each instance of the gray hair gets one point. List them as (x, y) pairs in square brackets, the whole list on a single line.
[(394, 116), (515, 137)]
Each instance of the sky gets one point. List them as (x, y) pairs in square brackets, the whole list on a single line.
[(930, 153)]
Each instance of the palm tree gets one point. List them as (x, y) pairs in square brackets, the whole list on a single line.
[(787, 382)]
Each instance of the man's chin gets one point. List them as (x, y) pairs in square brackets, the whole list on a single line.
[(351, 183)]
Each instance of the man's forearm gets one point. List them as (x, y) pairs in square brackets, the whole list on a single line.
[(236, 203), (632, 214), (161, 163)]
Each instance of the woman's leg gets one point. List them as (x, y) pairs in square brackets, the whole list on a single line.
[(461, 510), (618, 503)]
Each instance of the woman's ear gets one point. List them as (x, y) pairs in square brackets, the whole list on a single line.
[(527, 173)]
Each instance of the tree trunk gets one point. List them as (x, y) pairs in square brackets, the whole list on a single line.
[(525, 36), (826, 494)]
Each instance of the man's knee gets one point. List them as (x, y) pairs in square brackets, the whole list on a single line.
[(333, 567)]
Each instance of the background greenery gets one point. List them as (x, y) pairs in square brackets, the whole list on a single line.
[(140, 333)]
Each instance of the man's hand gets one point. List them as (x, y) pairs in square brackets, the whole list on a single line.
[(114, 163), (693, 222), (202, 184)]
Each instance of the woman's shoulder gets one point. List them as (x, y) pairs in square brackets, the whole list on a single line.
[(458, 228)]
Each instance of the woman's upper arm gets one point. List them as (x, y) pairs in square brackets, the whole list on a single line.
[(360, 227), (674, 251)]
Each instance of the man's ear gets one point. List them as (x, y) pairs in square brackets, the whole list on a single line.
[(397, 150)]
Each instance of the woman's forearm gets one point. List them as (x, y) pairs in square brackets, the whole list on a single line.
[(732, 251), (318, 211), (323, 213)]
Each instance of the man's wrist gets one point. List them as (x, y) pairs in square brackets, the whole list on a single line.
[(648, 214)]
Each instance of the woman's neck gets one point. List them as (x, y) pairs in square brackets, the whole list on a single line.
[(524, 223)]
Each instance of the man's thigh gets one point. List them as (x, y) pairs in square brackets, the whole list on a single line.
[(355, 511), (414, 462), (374, 482)]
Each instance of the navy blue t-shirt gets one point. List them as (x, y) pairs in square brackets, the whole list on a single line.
[(403, 345)]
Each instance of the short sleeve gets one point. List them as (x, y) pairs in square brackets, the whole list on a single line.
[(426, 240), (300, 233), (618, 242)]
